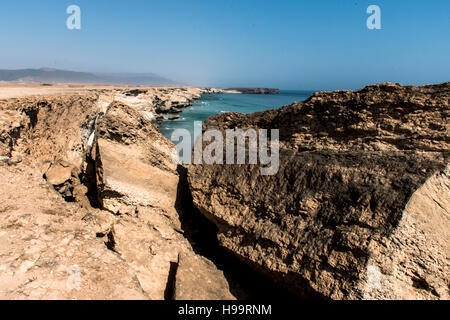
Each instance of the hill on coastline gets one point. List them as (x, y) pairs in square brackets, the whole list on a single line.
[(254, 90), (52, 76)]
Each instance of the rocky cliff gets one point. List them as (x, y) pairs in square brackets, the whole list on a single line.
[(90, 205), (359, 208)]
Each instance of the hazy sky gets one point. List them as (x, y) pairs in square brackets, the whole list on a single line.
[(287, 44)]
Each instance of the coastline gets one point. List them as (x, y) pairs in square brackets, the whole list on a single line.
[(87, 171), (210, 105), (154, 102)]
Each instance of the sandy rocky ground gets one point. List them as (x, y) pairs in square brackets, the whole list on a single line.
[(88, 197)]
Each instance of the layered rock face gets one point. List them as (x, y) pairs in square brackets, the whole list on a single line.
[(90, 204), (359, 208)]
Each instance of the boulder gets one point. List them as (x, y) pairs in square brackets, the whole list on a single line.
[(359, 208), (134, 162), (193, 270), (59, 173), (174, 116)]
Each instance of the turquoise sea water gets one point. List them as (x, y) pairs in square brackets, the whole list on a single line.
[(212, 104)]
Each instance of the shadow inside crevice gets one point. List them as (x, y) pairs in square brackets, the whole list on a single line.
[(245, 283), (169, 292), (89, 178)]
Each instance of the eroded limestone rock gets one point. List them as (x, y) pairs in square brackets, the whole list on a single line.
[(360, 205), (137, 182), (120, 235)]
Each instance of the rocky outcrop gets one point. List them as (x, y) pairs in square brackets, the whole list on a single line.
[(359, 208), (137, 182), (253, 90), (170, 101), (92, 210), (157, 102), (48, 249), (65, 178)]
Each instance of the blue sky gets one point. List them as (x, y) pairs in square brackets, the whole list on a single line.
[(287, 44)]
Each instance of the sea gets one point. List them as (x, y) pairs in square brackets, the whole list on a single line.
[(212, 104)]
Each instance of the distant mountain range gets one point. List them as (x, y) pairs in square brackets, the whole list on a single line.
[(54, 76)]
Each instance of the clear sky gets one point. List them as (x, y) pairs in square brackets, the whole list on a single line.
[(286, 44)]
